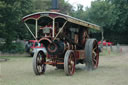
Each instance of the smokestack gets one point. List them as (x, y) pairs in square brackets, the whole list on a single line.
[(55, 6)]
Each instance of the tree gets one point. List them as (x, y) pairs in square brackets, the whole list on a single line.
[(79, 13), (65, 7), (112, 15), (10, 19), (101, 13), (121, 8), (2, 6), (41, 5)]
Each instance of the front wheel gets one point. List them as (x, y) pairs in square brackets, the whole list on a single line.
[(39, 65), (69, 63)]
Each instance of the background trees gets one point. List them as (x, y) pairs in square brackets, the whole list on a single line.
[(111, 15), (11, 13)]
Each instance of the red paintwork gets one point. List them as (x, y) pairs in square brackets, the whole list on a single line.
[(105, 43), (33, 46), (44, 38), (33, 16), (77, 54), (53, 15), (36, 16)]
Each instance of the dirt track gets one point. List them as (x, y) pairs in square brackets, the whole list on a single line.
[(113, 70)]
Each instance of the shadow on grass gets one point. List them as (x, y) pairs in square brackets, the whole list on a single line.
[(80, 70), (60, 72)]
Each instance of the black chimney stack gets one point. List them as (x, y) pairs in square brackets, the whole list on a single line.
[(55, 6)]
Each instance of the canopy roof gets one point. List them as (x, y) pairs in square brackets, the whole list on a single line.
[(45, 17)]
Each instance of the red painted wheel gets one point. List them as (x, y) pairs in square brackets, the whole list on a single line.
[(92, 54), (69, 63), (39, 65)]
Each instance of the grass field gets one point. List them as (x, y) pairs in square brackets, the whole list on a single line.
[(113, 70)]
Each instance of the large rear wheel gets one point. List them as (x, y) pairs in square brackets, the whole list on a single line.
[(69, 63), (92, 54), (39, 65)]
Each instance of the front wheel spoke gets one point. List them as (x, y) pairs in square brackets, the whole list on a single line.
[(69, 67), (44, 67), (39, 62), (72, 69), (38, 59), (69, 61), (39, 67), (72, 62)]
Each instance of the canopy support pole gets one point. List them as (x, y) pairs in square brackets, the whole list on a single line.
[(36, 28), (53, 28), (30, 31), (60, 30)]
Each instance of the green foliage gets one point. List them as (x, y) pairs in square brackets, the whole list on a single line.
[(11, 14), (100, 13), (11, 18), (65, 7), (12, 48), (111, 15), (79, 13), (121, 8), (41, 5)]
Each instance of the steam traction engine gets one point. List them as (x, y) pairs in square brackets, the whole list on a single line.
[(66, 42)]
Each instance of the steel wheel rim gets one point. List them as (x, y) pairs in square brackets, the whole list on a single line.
[(71, 64), (40, 65), (95, 55)]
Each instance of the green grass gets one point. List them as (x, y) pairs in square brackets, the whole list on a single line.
[(8, 56), (19, 71)]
